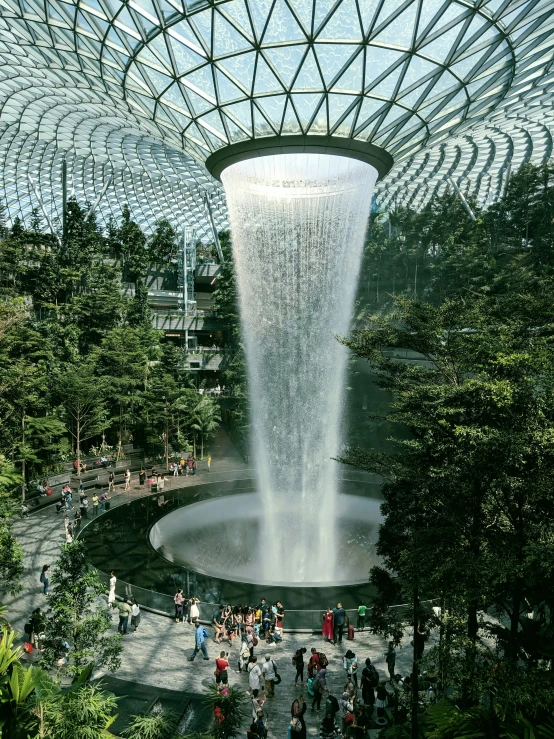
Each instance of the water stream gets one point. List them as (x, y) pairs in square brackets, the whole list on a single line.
[(298, 224)]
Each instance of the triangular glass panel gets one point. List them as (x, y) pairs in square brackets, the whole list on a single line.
[(368, 109), (338, 105), (53, 13), (242, 113), (241, 69), (213, 121), (395, 112), (353, 78), (378, 61), (146, 56), (411, 100), (322, 10), (367, 11), (266, 81), (226, 90), (429, 15), (282, 25), (185, 58), (199, 104), (306, 105), (184, 34), (146, 6), (304, 12), (345, 126), (202, 23), (83, 24), (273, 107), (261, 126), (400, 32), (259, 11), (386, 87), (459, 100), (226, 38), (286, 60), (442, 47), (202, 81), (418, 69), (332, 58), (308, 76), (290, 121), (464, 68), (344, 24), (235, 133), (443, 85), (160, 81), (236, 11)]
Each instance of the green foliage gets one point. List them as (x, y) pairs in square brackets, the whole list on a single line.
[(11, 553), (76, 619), (160, 725), (85, 712), (163, 244), (229, 711)]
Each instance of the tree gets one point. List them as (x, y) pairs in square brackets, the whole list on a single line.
[(84, 712), (82, 395), (161, 725), (205, 421), (163, 243), (77, 623), (11, 552), (229, 711)]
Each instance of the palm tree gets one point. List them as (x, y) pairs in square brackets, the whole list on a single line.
[(205, 420)]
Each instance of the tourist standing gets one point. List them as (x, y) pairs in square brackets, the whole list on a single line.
[(127, 480), (390, 658), (298, 723), (189, 465), (327, 628), (84, 506), (313, 664), (111, 594), (419, 640), (370, 680), (194, 613), (200, 635), (111, 480), (69, 500), (45, 578), (194, 466), (279, 618), (269, 671), (298, 661), (95, 501), (221, 665), (217, 621), (161, 483), (255, 676), (124, 611), (209, 461), (339, 616), (135, 614), (319, 686), (178, 599), (142, 477), (350, 665), (361, 616)]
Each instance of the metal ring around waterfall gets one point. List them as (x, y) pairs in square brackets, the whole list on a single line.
[(380, 159)]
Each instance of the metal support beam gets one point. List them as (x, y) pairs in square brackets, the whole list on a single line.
[(214, 229), (99, 198), (44, 212), (64, 198), (505, 185), (470, 213)]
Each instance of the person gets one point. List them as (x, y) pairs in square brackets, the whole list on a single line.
[(111, 594), (161, 483), (298, 661), (189, 465), (244, 656), (266, 623), (256, 702), (104, 461), (24, 510), (381, 698), (84, 507), (38, 624), (69, 500), (66, 521), (103, 498), (255, 676), (200, 635), (182, 465), (390, 658), (217, 621), (124, 611), (69, 534), (95, 501), (419, 640), (339, 615), (194, 613), (274, 636), (319, 687), (194, 465), (328, 729), (221, 665), (313, 664), (111, 482), (269, 671), (77, 520), (327, 628), (209, 461), (178, 599), (350, 664), (142, 477), (298, 722), (279, 618), (127, 480), (370, 680), (45, 578), (361, 616), (331, 704), (135, 614), (175, 469)]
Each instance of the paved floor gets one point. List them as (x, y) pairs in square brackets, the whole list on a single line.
[(157, 654)]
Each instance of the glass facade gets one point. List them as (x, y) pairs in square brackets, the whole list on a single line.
[(143, 91)]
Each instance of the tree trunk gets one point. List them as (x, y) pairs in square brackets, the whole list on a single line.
[(23, 471), (202, 446), (194, 444), (415, 665), (78, 442)]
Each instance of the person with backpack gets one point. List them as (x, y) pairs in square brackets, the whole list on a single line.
[(298, 662), (390, 658), (45, 578), (319, 687), (370, 680), (331, 705), (269, 671), (298, 722), (200, 636)]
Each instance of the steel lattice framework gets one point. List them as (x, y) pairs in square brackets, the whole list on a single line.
[(144, 91)]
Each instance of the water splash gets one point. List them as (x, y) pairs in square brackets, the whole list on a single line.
[(298, 224)]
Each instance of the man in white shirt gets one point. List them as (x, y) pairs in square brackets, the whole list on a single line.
[(269, 671), (255, 675)]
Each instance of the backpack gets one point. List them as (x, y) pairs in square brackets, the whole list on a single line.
[(311, 690), (206, 635), (373, 677), (323, 661), (41, 578), (255, 642)]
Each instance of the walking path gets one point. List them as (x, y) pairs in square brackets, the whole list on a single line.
[(157, 654)]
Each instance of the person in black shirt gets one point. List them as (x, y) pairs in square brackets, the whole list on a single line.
[(299, 662), (339, 617)]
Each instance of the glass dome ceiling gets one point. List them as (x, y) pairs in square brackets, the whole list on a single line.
[(144, 91)]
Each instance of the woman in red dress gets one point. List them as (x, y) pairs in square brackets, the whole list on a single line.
[(327, 628)]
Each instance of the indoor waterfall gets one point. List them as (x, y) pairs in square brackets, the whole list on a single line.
[(298, 224)]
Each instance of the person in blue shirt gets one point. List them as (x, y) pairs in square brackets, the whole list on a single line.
[(200, 641), (339, 617)]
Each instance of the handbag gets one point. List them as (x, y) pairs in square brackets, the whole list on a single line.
[(277, 676), (296, 724), (28, 647)]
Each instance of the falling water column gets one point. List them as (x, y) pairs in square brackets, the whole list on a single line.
[(298, 223)]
